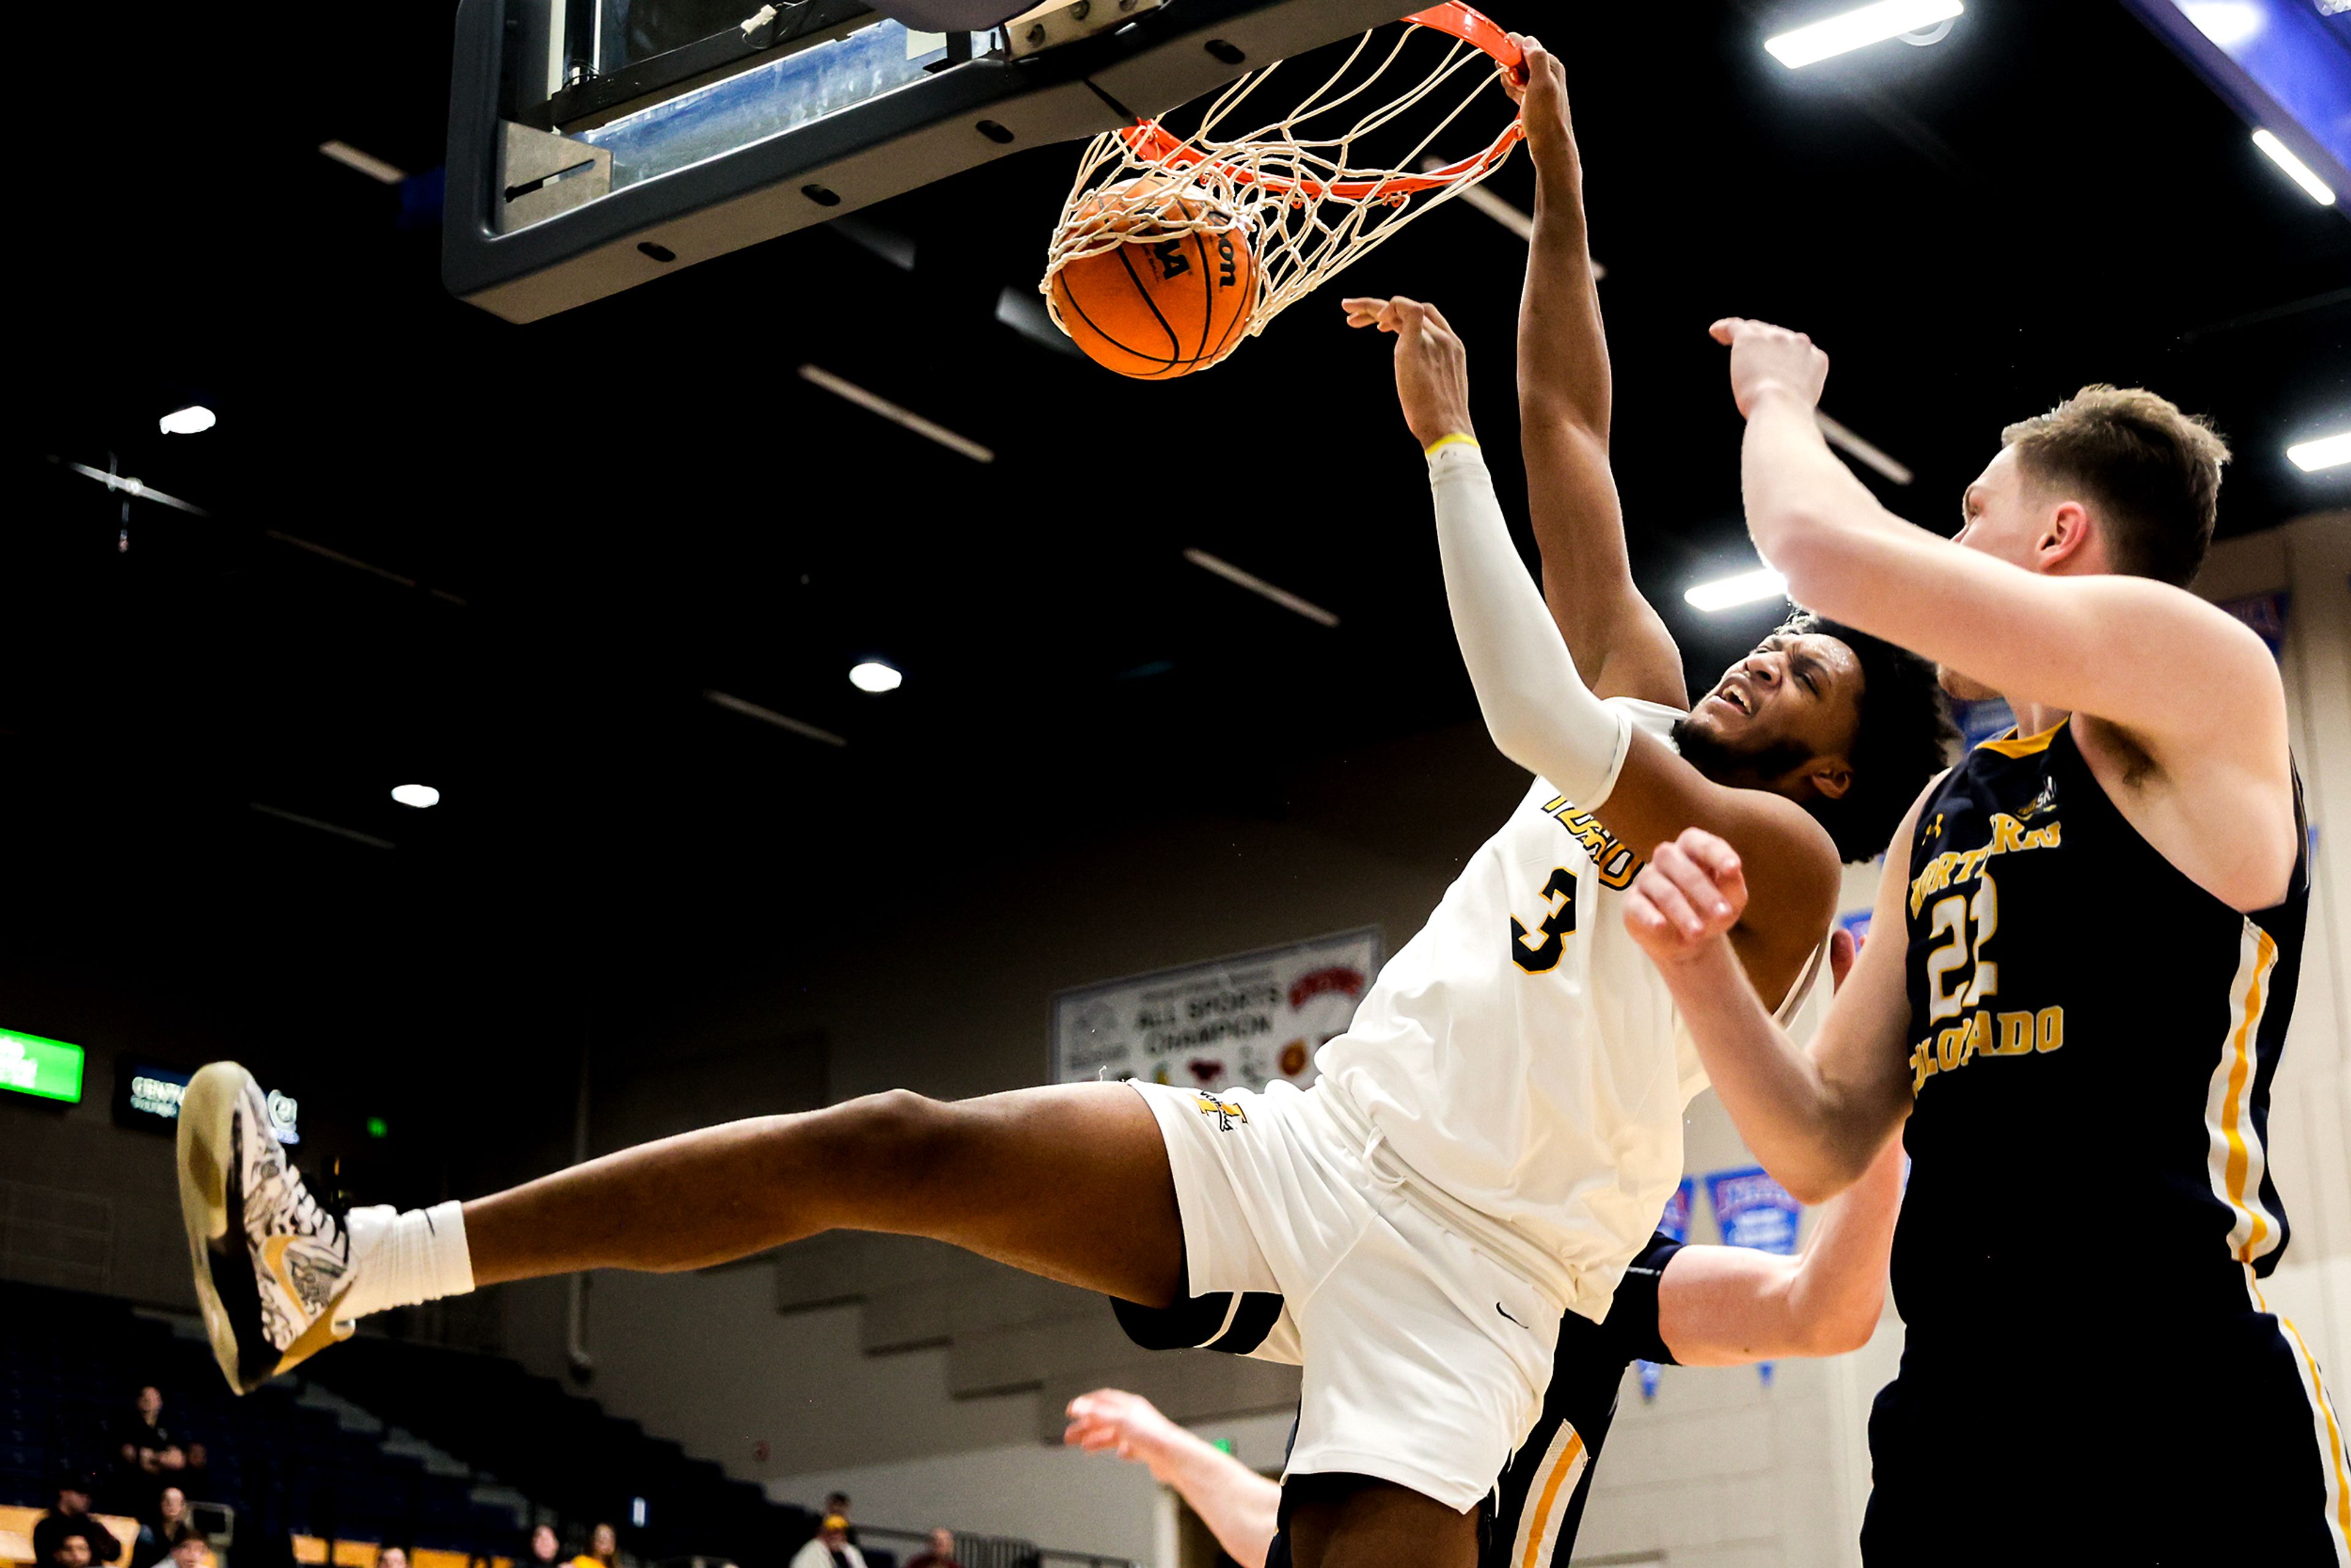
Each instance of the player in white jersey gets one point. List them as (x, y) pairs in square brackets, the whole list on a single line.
[(1488, 1145)]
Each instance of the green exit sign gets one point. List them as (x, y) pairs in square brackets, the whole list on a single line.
[(49, 1069)]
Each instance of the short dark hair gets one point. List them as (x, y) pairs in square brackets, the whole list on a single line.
[(1902, 738), (2152, 471), (183, 1533)]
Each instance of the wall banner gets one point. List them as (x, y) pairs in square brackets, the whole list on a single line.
[(1248, 1021), (1755, 1211), (1982, 721), (1674, 1222)]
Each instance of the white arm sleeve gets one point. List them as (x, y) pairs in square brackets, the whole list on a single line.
[(1538, 709)]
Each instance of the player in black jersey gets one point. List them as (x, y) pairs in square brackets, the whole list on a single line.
[(2102, 917), (1678, 1305)]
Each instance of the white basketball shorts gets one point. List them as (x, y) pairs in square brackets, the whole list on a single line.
[(1425, 1357)]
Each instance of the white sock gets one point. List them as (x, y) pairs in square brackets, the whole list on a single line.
[(399, 1259)]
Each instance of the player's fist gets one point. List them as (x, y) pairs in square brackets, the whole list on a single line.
[(1691, 892), (1764, 358), (1432, 369), (1539, 90), (1114, 1421)]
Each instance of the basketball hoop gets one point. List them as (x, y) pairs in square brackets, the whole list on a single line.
[(1302, 196)]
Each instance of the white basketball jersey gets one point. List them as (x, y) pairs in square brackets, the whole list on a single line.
[(1523, 1056)]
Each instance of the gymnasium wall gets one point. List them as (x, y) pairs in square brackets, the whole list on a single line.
[(84, 1204)]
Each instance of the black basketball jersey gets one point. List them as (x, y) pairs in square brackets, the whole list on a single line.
[(2092, 1038)]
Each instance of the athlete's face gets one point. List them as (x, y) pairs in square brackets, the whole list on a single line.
[(1782, 717), (2003, 514)]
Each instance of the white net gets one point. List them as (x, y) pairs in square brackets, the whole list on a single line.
[(1314, 189)]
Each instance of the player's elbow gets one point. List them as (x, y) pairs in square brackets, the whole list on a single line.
[(1563, 424), (1843, 1329), (1813, 1185), (1513, 722)]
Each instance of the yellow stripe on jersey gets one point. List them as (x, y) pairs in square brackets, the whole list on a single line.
[(2013, 744), (2329, 1434), (1539, 1523), (2238, 1164)]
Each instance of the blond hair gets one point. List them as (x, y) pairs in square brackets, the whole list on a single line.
[(2151, 474)]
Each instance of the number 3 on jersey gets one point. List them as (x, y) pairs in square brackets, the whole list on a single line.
[(1540, 958)]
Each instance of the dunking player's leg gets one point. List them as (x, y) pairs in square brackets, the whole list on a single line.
[(1071, 1183), (1353, 1521)]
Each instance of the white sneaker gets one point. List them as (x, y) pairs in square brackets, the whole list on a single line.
[(272, 1264)]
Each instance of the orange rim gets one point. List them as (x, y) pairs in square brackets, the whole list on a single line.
[(1153, 143)]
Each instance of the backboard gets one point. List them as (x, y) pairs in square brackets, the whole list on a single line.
[(597, 144)]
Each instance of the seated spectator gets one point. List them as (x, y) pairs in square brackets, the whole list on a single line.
[(940, 1553), (830, 1548), (189, 1549), (546, 1550), (146, 1443), (391, 1557), (70, 1547), (72, 1513), (604, 1551), (156, 1529)]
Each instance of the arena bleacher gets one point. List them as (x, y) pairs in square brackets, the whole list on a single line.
[(449, 1454)]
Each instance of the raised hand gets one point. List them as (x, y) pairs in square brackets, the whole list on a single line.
[(1691, 892), (1432, 370), (1542, 98), (1765, 359), (1114, 1421)]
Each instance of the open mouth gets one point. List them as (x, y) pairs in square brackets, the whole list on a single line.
[(1732, 697)]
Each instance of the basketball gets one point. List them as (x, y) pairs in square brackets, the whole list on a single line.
[(1170, 299)]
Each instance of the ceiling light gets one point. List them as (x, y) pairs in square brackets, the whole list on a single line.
[(1860, 451), (734, 704), (872, 403), (874, 676), (193, 420), (1855, 29), (1261, 587), (366, 163), (2225, 22), (1747, 588), (2326, 451), (2297, 170), (417, 795)]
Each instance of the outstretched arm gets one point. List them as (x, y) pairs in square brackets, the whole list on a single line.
[(1542, 714), (2188, 685), (1616, 639), (1241, 1507), (1815, 1118), (1722, 1306)]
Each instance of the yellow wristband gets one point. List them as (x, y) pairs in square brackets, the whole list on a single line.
[(1456, 439)]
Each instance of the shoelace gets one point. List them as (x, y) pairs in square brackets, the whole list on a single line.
[(296, 1207)]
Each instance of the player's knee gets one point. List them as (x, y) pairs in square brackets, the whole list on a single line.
[(909, 1135)]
